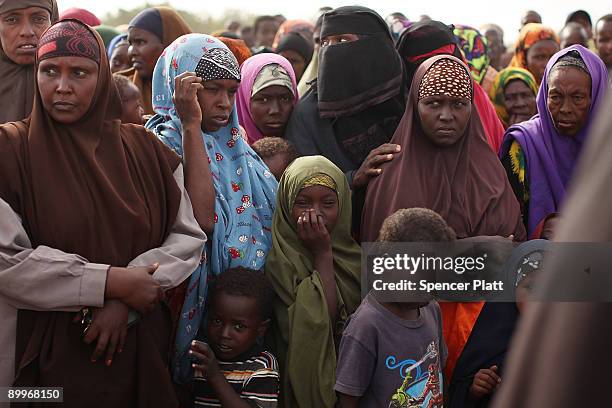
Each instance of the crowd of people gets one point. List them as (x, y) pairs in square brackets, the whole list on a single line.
[(181, 213)]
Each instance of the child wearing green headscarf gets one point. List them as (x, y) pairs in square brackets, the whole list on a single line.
[(314, 266)]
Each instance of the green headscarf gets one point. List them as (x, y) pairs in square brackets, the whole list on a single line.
[(496, 93), (107, 33), (474, 48), (302, 333)]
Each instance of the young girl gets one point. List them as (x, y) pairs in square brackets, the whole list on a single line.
[(314, 267)]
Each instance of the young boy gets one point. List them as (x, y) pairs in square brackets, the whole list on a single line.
[(392, 354), (276, 152), (232, 369), (131, 100)]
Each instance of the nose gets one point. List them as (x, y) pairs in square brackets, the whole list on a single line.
[(566, 106), (27, 30), (63, 86), (274, 107), (224, 101), (520, 102), (225, 333), (445, 114), (132, 51)]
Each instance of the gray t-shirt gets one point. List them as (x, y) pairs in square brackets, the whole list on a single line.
[(392, 362)]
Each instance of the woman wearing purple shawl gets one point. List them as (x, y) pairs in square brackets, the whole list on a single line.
[(539, 155)]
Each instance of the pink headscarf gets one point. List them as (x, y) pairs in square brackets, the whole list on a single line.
[(249, 71), (82, 15)]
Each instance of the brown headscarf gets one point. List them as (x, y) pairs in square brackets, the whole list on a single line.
[(106, 192), (173, 26), (464, 183), (561, 348), (17, 84)]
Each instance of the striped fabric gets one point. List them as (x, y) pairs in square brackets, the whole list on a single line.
[(256, 380)]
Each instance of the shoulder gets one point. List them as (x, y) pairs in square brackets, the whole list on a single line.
[(143, 139), (363, 324), (267, 360)]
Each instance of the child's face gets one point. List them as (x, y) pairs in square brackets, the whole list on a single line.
[(277, 164), (234, 324), (132, 107), (120, 61), (216, 100), (322, 199)]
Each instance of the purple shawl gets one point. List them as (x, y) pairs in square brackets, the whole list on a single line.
[(249, 71), (550, 157)]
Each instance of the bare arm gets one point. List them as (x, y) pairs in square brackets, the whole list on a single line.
[(347, 401), (198, 179)]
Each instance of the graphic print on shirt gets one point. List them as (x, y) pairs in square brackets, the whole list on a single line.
[(421, 381)]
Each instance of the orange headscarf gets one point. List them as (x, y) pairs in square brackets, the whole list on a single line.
[(530, 34)]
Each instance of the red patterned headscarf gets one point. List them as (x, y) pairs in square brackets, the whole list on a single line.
[(68, 38)]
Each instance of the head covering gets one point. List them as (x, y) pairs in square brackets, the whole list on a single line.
[(107, 33), (428, 38), (18, 105), (68, 39), (303, 334), (296, 42), (447, 78), (250, 71), (577, 15), (311, 72), (238, 48), (551, 157), (106, 192), (171, 26), (579, 331), (474, 48), (360, 83), (245, 188), (272, 75), (464, 183), (82, 15), (217, 63), (121, 38), (530, 34), (502, 79), (304, 27)]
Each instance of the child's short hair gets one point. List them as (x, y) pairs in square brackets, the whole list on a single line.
[(267, 147), (122, 83), (246, 282), (415, 225)]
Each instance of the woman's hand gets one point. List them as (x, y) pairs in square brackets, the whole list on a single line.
[(207, 366), (134, 286), (313, 234), (185, 98), (109, 327), (485, 382), (371, 165)]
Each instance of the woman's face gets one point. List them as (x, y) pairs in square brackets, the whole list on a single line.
[(538, 55), (20, 31), (444, 118), (216, 99), (519, 99), (297, 62), (569, 99), (67, 86), (145, 48), (271, 108), (322, 199), (120, 59)]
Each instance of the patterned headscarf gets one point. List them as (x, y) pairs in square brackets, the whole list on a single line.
[(68, 38), (474, 48), (245, 188), (496, 93), (530, 34), (218, 63), (446, 77)]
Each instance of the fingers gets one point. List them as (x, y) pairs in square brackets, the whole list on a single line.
[(478, 390), (487, 378), (379, 159), (151, 269), (91, 333), (122, 338), (103, 340), (312, 219), (112, 346), (387, 148)]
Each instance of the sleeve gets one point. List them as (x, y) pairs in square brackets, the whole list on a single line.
[(516, 168), (441, 342), (295, 133), (181, 252), (262, 388), (356, 365), (44, 278)]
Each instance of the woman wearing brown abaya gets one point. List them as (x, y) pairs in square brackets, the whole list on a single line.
[(149, 33), (446, 165), (85, 184), (18, 53), (560, 356)]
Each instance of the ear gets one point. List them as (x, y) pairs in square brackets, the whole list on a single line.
[(263, 327)]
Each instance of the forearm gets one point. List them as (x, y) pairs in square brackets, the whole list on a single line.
[(324, 264), (226, 394), (198, 178)]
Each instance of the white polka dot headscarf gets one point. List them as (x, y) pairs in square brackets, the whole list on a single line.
[(446, 77), (218, 63)]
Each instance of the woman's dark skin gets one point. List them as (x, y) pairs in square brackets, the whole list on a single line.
[(569, 99), (444, 118), (538, 55), (271, 108), (20, 31), (145, 49), (520, 101)]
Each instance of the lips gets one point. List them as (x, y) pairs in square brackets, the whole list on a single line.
[(564, 124), (223, 349), (27, 48), (63, 106), (220, 119)]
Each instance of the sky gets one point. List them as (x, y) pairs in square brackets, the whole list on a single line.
[(507, 14)]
